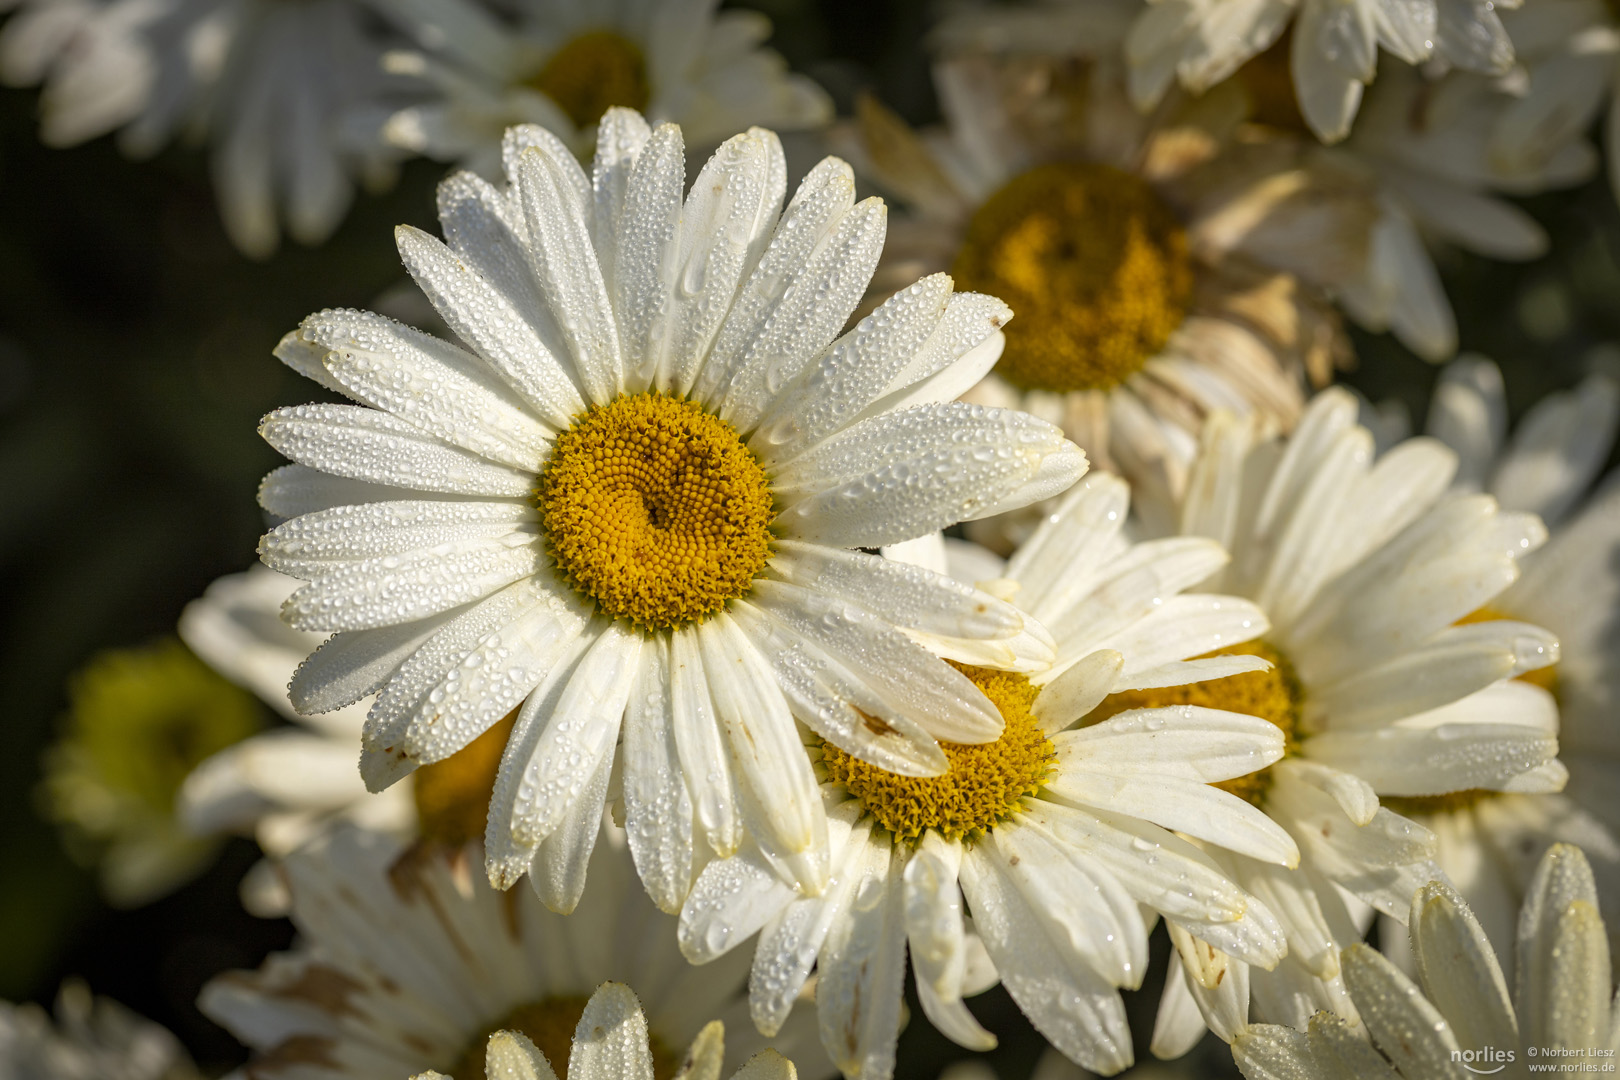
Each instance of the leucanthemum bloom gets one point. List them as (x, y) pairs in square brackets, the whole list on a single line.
[(139, 721), (1490, 841), (1460, 1016), (409, 964), (1141, 306), (90, 1038), (286, 785), (1063, 842), (612, 1043), (630, 508), (277, 89), (563, 65), (1366, 572)]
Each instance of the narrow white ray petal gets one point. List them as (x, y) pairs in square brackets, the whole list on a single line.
[(732, 899), (1402, 1022), (937, 938), (304, 356), (315, 544), (1354, 795), (348, 667), (402, 588), (565, 266), (1059, 564), (1079, 689), (1188, 625), (725, 223), (492, 325), (968, 334), (1188, 742), (1563, 955), (862, 970), (909, 679), (1182, 672), (657, 806), (611, 1041), (952, 462), (704, 758), (1343, 1052), (837, 703), (511, 1056), (1070, 1004), (559, 761), (557, 874), (621, 135), (1178, 1026), (766, 1065), (292, 490), (644, 275), (364, 444), (1274, 1052), (851, 372), (1458, 968), (772, 768)]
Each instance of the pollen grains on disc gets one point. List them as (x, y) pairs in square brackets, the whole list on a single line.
[(655, 510), (452, 796), (1274, 695), (1094, 263), (593, 73), (550, 1024), (981, 788)]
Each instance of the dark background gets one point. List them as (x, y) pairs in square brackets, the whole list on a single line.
[(135, 363)]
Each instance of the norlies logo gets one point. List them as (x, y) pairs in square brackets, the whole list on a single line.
[(1484, 1062)]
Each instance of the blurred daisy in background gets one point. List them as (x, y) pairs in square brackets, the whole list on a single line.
[(612, 1043), (1490, 841), (288, 784), (562, 64), (1363, 568), (89, 1038), (1141, 309), (281, 92), (139, 720), (1422, 166), (654, 430), (1460, 1015), (1058, 839), (405, 966)]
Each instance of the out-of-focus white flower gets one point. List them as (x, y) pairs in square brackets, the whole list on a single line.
[(282, 93), (406, 965), (1460, 1015), (139, 720), (561, 65), (91, 1038)]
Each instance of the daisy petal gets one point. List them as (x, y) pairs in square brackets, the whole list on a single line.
[(938, 940), (863, 972), (657, 806), (702, 750), (731, 900), (297, 489), (611, 1040), (643, 277), (1458, 967), (557, 874), (317, 543), (1187, 742), (1563, 955), (1411, 1033)]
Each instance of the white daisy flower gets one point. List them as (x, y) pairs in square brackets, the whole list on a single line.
[(1363, 568), (271, 86), (562, 65), (630, 508), (1460, 1016), (1142, 306), (612, 1043), (91, 1038), (1423, 165), (1059, 840), (1490, 841), (287, 785), (406, 965)]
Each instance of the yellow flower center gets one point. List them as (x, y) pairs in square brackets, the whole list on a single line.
[(655, 510), (1268, 81), (452, 796), (1273, 695), (593, 73), (983, 785), (1094, 264), (550, 1024)]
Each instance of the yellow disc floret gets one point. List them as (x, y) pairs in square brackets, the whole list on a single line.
[(655, 510), (983, 785), (593, 73), (550, 1024), (1093, 262), (452, 796), (1273, 695)]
